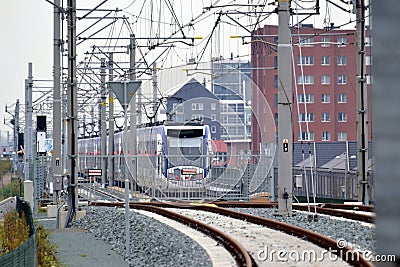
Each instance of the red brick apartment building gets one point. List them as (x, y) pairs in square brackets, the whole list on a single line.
[(325, 74)]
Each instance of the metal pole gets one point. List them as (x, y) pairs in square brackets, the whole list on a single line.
[(28, 138), (386, 114), (92, 120), (72, 112), (16, 132), (111, 123), (16, 126), (155, 90), (133, 118), (103, 124), (346, 169), (2, 187), (127, 224), (285, 131), (57, 122), (362, 118)]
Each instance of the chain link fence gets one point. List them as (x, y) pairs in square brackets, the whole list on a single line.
[(26, 254)]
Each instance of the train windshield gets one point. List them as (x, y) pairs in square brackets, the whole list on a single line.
[(185, 147)]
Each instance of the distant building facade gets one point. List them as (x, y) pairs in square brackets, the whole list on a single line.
[(324, 84), (232, 85), (193, 101)]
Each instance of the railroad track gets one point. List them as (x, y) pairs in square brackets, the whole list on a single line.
[(322, 241), (338, 213), (327, 209), (336, 210), (237, 251), (88, 191)]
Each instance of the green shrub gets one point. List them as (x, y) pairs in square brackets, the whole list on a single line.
[(14, 231), (46, 252)]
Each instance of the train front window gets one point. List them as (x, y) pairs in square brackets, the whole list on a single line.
[(184, 151)]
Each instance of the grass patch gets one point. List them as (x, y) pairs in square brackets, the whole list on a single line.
[(46, 252), (14, 231)]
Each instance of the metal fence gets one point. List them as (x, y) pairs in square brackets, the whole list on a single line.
[(26, 254), (238, 178)]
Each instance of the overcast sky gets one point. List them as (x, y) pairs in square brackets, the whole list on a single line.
[(26, 36), (26, 28)]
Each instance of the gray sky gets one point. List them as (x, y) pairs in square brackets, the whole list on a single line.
[(26, 36), (26, 27)]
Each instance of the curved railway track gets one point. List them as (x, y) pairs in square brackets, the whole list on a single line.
[(244, 259), (327, 209), (237, 251), (336, 210)]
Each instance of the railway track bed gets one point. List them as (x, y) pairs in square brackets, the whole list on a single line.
[(250, 228)]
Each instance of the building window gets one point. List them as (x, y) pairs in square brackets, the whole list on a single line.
[(306, 41), (232, 108), (368, 41), (276, 119), (306, 136), (305, 98), (223, 130), (240, 107), (325, 42), (326, 136), (368, 60), (275, 100), (275, 62), (325, 79), (213, 117), (248, 118), (224, 107), (276, 81), (326, 98), (213, 129), (326, 117), (306, 79), (197, 117), (224, 119), (306, 117), (305, 60), (213, 106), (177, 107), (342, 41), (342, 136), (368, 79), (325, 60), (233, 130), (342, 98), (342, 117), (197, 106), (342, 79), (341, 60)]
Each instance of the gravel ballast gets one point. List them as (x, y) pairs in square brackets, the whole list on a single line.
[(152, 242), (354, 234)]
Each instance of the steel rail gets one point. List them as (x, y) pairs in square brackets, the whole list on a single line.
[(339, 213), (238, 252), (348, 207), (323, 241)]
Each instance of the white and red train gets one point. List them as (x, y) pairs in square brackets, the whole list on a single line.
[(169, 156)]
